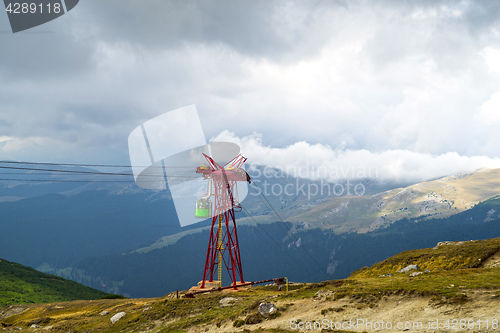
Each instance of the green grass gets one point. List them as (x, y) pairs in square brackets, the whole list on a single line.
[(21, 285), (446, 257)]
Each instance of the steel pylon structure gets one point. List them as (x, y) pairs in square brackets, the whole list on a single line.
[(223, 247)]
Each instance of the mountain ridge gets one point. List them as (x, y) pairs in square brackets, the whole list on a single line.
[(437, 198)]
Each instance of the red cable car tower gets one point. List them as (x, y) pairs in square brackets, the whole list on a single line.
[(223, 247)]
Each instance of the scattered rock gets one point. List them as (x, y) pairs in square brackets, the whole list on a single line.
[(416, 273), (385, 275), (323, 294), (117, 317), (11, 311), (228, 301), (267, 309), (173, 295), (35, 326), (147, 309), (253, 318), (409, 268), (448, 243), (104, 313)]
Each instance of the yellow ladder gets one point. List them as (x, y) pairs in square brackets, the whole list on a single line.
[(220, 247)]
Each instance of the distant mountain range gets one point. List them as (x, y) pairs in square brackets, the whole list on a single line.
[(122, 239), (438, 198), (271, 250)]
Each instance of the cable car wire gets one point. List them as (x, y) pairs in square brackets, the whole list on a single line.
[(290, 231), (276, 242), (67, 181), (77, 180), (80, 172), (73, 171), (95, 165)]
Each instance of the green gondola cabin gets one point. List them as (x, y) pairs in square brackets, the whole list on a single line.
[(203, 209)]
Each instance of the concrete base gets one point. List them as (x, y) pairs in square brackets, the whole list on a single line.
[(214, 285), (208, 285)]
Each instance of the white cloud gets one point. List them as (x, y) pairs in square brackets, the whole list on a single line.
[(492, 57), (489, 114), (318, 161)]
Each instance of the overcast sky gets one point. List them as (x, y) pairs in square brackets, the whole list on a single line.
[(409, 87)]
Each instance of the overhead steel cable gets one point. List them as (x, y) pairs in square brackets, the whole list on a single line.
[(53, 172), (95, 165), (276, 242), (57, 175), (71, 171), (48, 180), (88, 172), (66, 180), (43, 174), (261, 197), (289, 230), (84, 174)]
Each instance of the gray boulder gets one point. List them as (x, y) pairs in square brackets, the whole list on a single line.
[(409, 268), (267, 309), (117, 317), (228, 301)]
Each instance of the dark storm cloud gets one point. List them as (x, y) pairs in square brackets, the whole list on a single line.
[(376, 75), (268, 28), (42, 54)]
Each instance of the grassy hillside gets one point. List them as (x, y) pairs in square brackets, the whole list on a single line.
[(444, 256), (20, 284), (455, 282)]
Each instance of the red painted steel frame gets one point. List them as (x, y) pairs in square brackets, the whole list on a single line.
[(225, 198)]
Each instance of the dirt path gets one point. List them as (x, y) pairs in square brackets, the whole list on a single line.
[(493, 261), (390, 314)]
